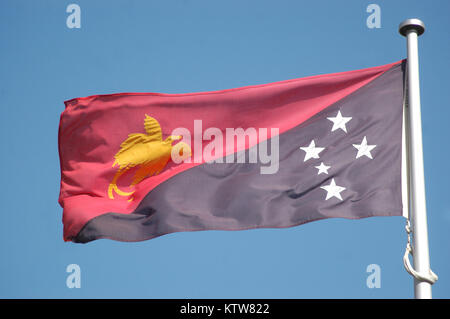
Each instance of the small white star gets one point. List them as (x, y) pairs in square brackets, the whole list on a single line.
[(339, 121), (322, 168), (312, 151), (364, 149), (333, 190)]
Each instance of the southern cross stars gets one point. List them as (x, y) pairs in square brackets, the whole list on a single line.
[(333, 190), (364, 149), (311, 151), (339, 122)]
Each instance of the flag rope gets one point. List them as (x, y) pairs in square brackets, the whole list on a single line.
[(431, 277)]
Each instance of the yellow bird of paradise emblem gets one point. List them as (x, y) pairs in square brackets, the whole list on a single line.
[(148, 151)]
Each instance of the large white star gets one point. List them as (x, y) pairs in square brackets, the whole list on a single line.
[(339, 121), (322, 168), (333, 190), (364, 149), (311, 151)]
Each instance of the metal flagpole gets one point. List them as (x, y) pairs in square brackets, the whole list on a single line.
[(412, 29)]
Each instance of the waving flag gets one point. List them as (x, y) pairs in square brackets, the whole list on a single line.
[(135, 166)]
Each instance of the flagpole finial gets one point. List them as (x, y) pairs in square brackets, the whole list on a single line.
[(411, 24)]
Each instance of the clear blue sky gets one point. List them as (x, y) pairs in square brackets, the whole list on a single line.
[(188, 46)]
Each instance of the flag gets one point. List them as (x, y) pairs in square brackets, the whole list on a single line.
[(135, 166)]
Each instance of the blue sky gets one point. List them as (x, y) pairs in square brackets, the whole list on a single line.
[(190, 46)]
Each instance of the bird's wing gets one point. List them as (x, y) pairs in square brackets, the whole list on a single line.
[(153, 129), (133, 139), (149, 169)]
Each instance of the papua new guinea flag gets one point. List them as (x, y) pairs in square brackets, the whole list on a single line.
[(135, 166)]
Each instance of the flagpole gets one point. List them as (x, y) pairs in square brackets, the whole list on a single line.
[(412, 29)]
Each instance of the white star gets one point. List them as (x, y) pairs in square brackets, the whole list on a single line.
[(312, 151), (333, 190), (339, 121), (364, 149), (322, 168)]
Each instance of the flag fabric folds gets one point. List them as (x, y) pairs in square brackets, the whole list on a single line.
[(135, 166)]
